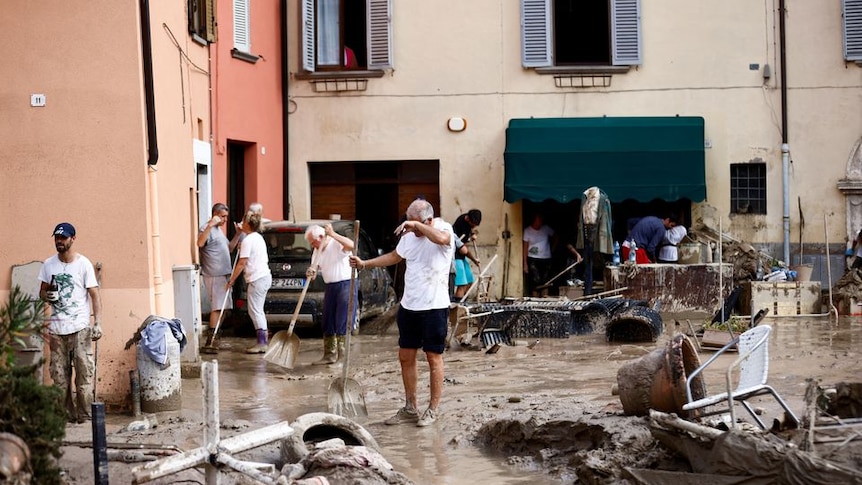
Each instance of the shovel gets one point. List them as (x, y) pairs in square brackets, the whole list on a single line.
[(284, 345), (346, 397)]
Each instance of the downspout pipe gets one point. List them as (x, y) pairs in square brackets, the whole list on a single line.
[(285, 115), (153, 158), (785, 144)]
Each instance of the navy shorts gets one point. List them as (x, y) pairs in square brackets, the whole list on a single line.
[(425, 329)]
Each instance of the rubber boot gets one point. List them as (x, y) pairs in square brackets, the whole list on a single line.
[(261, 346), (339, 345), (330, 351)]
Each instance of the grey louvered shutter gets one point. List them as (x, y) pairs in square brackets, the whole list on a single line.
[(379, 34), (536, 33), (308, 35), (852, 30), (626, 32), (241, 32)]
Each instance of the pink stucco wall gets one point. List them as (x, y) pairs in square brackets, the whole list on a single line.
[(247, 106), (82, 157)]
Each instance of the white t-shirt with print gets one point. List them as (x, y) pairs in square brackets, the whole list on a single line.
[(71, 313), (538, 242)]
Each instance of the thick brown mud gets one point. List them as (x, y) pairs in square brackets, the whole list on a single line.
[(544, 414)]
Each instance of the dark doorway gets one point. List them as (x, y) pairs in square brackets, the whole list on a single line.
[(235, 183)]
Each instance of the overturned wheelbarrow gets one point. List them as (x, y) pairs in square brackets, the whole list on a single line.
[(657, 380), (634, 324)]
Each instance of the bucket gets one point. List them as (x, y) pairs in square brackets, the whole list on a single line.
[(161, 387), (689, 253), (803, 272), (657, 380)]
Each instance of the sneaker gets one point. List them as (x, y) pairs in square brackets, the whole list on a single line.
[(404, 415), (428, 418)]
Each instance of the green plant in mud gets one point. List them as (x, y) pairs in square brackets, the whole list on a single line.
[(28, 409), (737, 324)]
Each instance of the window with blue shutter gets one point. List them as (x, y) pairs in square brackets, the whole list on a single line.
[(562, 33), (341, 35), (852, 30)]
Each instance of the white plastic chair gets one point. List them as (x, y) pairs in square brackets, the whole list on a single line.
[(753, 364)]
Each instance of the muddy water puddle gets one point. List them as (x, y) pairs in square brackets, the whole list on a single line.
[(580, 370)]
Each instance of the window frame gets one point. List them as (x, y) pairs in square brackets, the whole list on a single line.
[(202, 24), (754, 193), (537, 37), (242, 26), (378, 34)]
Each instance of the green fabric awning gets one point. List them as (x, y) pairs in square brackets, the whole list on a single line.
[(629, 158)]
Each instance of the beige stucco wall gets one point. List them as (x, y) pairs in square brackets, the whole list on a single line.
[(456, 58), (82, 157)]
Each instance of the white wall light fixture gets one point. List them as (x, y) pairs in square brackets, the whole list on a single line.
[(456, 124)]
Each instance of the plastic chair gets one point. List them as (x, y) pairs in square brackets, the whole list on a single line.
[(753, 364)]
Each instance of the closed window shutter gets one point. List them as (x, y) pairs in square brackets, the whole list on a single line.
[(210, 16), (853, 30), (308, 35), (626, 32), (536, 33), (241, 40), (379, 34)]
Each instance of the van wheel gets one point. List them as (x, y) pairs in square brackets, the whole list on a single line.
[(313, 428)]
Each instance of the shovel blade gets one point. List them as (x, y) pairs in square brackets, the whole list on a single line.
[(346, 398), (283, 349)]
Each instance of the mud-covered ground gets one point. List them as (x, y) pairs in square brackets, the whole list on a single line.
[(544, 414)]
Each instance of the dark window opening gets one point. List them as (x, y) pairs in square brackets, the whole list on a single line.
[(582, 32), (748, 188), (341, 34)]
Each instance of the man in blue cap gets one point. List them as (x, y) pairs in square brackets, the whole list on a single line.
[(69, 285)]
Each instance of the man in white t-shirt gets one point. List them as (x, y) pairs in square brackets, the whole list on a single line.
[(427, 244), (539, 241), (69, 285)]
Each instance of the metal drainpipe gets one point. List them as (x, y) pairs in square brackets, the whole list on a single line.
[(785, 145), (153, 159), (285, 115)]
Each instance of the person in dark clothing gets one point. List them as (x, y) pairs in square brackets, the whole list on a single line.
[(465, 229), (647, 235)]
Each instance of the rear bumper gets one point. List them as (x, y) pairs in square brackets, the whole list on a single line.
[(279, 311)]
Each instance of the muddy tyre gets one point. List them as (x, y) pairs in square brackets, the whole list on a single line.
[(312, 428)]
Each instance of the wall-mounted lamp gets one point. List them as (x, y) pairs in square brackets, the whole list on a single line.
[(456, 124)]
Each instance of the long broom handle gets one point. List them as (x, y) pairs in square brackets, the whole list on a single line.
[(351, 302), (561, 273), (301, 296), (224, 301)]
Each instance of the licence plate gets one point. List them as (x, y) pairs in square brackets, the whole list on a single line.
[(288, 283)]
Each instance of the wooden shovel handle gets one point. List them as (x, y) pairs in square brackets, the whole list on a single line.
[(301, 296)]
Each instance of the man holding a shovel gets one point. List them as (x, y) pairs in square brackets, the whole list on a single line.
[(427, 245), (332, 259)]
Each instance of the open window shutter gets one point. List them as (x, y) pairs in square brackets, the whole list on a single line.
[(626, 32), (308, 35), (536, 33), (210, 16), (379, 34), (241, 40), (853, 30)]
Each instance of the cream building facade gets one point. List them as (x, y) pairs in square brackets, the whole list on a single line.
[(425, 64)]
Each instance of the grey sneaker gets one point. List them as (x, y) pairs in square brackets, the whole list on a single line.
[(428, 418), (404, 415)]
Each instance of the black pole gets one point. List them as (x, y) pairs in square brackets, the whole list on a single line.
[(100, 444), (783, 69), (149, 91), (285, 114)]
